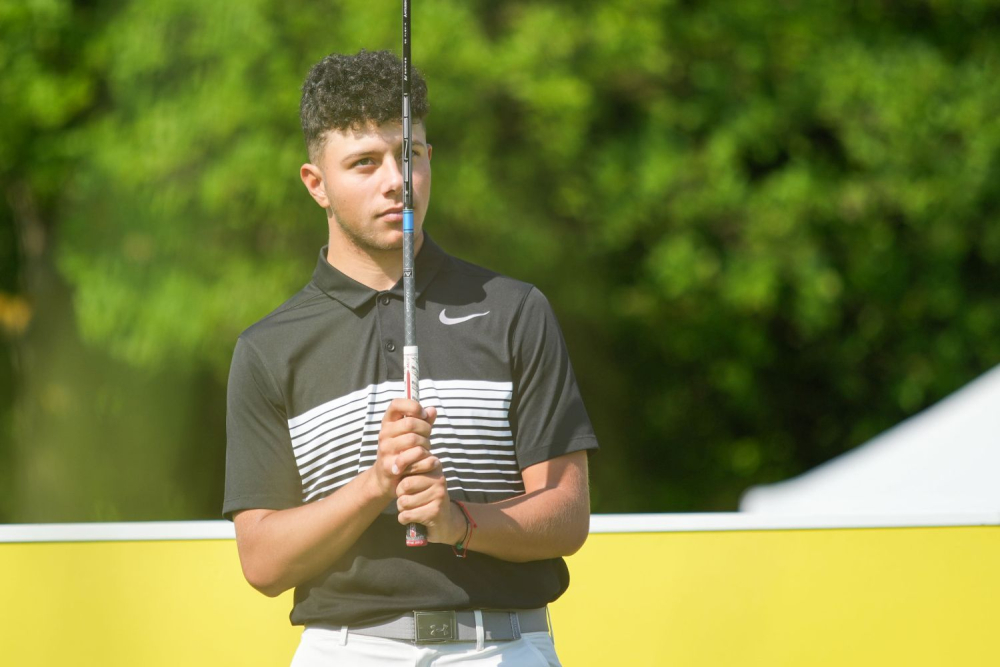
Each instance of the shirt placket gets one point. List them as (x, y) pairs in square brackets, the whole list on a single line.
[(389, 317)]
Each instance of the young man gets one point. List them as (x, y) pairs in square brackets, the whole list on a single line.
[(326, 463)]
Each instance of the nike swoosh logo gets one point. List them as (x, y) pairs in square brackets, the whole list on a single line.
[(458, 320)]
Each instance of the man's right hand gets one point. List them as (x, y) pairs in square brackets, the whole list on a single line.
[(404, 444)]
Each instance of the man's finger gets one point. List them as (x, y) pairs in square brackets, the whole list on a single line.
[(417, 491), (390, 447), (407, 461), (403, 425), (419, 483), (422, 467), (402, 407)]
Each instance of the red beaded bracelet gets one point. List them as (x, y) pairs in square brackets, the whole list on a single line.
[(462, 548)]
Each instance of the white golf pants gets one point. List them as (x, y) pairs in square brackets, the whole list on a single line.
[(324, 647)]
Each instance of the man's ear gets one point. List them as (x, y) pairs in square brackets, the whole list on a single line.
[(430, 152), (312, 178)]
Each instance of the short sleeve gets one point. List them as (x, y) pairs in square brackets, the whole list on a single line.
[(260, 467), (547, 411)]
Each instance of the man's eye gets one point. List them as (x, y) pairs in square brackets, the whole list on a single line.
[(364, 162)]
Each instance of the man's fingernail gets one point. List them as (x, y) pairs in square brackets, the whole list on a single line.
[(395, 469)]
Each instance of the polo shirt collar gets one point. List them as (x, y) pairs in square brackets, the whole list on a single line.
[(354, 295)]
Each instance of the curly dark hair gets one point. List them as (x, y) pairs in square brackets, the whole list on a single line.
[(343, 91)]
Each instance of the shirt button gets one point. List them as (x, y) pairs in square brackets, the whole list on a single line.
[(385, 299), (390, 346)]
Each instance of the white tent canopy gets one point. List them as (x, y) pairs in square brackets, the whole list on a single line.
[(945, 459)]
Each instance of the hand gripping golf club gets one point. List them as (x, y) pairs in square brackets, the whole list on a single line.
[(416, 535)]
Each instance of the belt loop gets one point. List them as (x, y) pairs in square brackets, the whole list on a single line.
[(343, 635), (548, 622), (480, 631), (515, 624)]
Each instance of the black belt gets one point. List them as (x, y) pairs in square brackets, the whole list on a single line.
[(431, 627)]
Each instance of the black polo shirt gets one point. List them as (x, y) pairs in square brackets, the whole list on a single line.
[(309, 385)]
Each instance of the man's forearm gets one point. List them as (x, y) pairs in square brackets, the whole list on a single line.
[(534, 526), (285, 548), (551, 520), (281, 549)]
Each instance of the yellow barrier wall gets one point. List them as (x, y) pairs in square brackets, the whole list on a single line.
[(898, 596)]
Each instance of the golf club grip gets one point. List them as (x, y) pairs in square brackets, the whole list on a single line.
[(416, 534)]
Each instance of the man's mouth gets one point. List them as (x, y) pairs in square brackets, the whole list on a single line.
[(392, 214)]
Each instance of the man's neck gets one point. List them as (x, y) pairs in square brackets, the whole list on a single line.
[(377, 269)]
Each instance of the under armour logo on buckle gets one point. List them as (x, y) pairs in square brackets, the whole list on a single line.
[(440, 630)]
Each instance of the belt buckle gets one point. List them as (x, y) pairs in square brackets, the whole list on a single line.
[(432, 627)]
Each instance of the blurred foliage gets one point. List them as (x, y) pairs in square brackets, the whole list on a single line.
[(768, 228)]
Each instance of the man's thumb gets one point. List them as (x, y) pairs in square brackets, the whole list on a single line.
[(432, 414)]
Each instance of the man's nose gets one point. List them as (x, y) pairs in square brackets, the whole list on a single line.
[(393, 176)]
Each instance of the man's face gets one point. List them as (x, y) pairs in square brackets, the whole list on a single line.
[(359, 181)]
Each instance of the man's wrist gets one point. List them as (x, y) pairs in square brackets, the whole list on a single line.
[(458, 523), (373, 487), (461, 548)]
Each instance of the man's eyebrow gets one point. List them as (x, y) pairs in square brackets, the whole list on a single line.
[(358, 154), (374, 151)]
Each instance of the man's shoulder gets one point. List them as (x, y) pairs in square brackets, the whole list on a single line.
[(279, 318), (466, 276)]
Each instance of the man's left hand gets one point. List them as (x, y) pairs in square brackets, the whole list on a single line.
[(423, 499)]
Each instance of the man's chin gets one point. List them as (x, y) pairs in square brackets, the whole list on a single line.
[(382, 243), (377, 240), (391, 239)]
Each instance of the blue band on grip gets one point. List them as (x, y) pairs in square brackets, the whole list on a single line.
[(407, 220)]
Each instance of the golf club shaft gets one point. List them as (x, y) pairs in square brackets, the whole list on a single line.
[(416, 535)]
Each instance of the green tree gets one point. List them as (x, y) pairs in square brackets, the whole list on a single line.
[(768, 228)]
